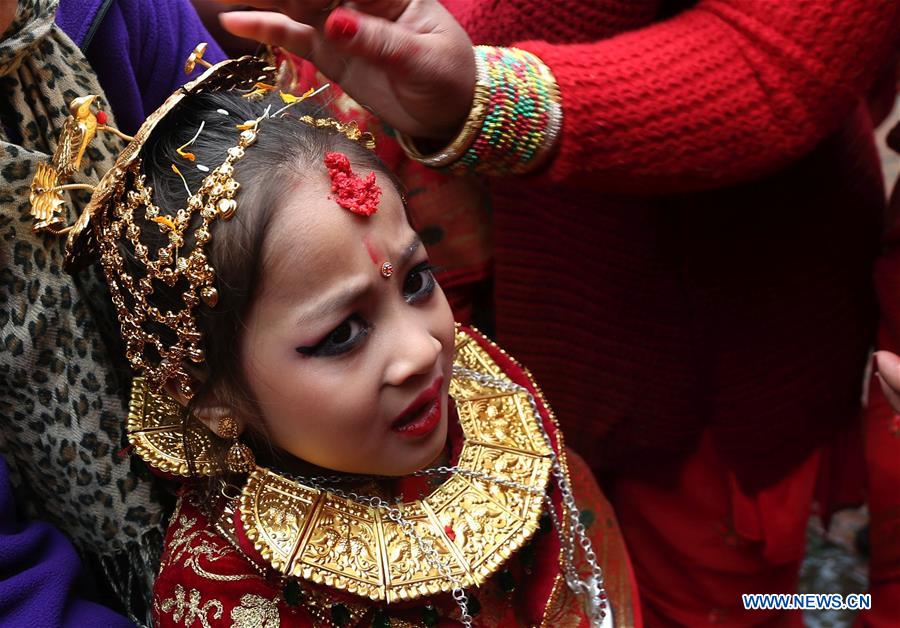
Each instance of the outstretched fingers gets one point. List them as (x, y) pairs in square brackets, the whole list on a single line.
[(271, 28), (374, 39), (388, 9), (306, 11), (314, 11)]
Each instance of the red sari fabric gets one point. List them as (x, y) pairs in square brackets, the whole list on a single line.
[(204, 578), (702, 542)]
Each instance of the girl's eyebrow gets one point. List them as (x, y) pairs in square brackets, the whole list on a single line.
[(354, 290), (336, 300), (409, 251)]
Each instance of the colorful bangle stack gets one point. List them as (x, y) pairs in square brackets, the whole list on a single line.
[(465, 138), (514, 122)]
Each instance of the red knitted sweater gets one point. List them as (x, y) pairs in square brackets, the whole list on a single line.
[(699, 253)]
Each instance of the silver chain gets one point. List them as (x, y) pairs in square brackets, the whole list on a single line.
[(590, 590), (469, 473)]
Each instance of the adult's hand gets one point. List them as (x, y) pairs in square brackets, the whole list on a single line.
[(408, 61), (889, 377)]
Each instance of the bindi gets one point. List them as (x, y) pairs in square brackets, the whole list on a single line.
[(354, 193)]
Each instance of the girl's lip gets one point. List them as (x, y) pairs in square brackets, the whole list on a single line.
[(422, 415), (421, 423)]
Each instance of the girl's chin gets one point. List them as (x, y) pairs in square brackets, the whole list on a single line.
[(422, 455), (402, 456)]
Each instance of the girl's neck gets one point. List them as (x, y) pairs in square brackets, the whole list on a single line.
[(407, 487)]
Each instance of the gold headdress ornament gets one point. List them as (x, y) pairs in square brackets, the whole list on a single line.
[(158, 343)]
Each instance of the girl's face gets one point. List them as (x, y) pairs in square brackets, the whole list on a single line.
[(349, 369)]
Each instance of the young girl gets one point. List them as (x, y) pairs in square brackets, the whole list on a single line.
[(347, 455)]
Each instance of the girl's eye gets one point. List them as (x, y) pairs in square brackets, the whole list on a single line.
[(342, 339), (419, 283)]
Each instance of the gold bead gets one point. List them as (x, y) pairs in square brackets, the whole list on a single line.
[(226, 207), (195, 354), (210, 296)]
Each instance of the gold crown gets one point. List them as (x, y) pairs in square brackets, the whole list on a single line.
[(158, 342)]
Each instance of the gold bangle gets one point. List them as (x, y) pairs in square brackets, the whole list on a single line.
[(464, 139)]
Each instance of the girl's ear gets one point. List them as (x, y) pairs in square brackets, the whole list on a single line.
[(216, 418), (208, 410)]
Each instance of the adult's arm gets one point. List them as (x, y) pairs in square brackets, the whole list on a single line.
[(726, 91), (39, 574)]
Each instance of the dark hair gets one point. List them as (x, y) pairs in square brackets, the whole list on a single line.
[(285, 151)]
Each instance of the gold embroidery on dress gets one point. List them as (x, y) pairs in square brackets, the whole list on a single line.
[(190, 547), (186, 608), (563, 610), (255, 611)]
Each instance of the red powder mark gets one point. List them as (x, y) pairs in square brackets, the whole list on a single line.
[(374, 255), (351, 192)]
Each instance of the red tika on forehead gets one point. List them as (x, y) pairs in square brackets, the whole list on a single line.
[(351, 192)]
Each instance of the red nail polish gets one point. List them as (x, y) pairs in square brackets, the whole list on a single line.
[(341, 24)]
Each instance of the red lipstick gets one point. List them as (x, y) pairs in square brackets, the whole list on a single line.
[(423, 415)]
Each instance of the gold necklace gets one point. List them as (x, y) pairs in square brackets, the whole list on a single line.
[(473, 524)]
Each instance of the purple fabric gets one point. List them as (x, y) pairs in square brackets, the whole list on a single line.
[(138, 50), (38, 574)]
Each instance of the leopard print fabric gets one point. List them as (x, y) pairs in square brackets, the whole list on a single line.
[(63, 397)]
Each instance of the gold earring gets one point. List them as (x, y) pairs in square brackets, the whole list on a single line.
[(227, 428), (239, 458)]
